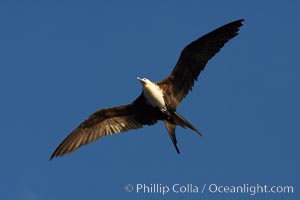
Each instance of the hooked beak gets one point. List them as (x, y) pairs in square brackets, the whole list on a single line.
[(141, 80)]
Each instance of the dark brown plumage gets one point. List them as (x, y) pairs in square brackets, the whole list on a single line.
[(109, 121), (175, 87), (193, 59)]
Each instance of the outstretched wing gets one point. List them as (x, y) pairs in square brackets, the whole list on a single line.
[(107, 122), (193, 59)]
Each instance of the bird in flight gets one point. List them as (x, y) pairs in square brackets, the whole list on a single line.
[(158, 100)]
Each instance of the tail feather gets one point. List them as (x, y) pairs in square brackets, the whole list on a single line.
[(178, 119), (171, 130)]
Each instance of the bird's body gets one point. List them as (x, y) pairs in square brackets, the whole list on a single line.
[(153, 94), (158, 100)]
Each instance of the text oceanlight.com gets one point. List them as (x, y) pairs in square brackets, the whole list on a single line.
[(163, 189)]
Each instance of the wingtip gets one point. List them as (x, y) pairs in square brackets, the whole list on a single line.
[(52, 156), (200, 134), (178, 152), (241, 21)]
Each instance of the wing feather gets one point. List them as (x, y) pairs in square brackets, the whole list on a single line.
[(193, 59), (107, 122)]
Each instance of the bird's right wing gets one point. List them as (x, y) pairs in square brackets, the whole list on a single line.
[(107, 122)]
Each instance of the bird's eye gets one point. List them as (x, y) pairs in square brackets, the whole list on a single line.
[(144, 79)]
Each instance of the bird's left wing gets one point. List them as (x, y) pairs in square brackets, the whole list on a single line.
[(107, 121), (193, 59)]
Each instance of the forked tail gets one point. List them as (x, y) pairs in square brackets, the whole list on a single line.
[(179, 120)]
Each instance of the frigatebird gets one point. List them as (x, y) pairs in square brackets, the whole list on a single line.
[(158, 100)]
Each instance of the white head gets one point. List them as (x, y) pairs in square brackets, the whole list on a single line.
[(144, 81), (153, 93)]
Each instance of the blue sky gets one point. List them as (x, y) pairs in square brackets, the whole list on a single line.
[(63, 60)]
